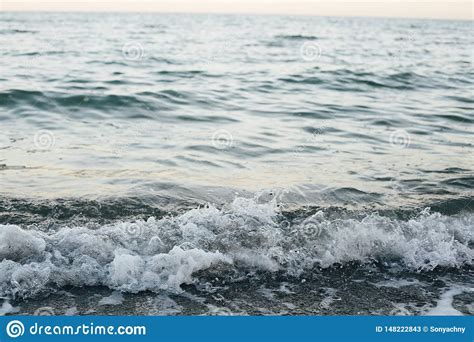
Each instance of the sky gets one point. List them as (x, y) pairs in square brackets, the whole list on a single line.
[(442, 9)]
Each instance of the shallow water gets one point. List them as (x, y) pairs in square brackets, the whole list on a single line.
[(194, 164)]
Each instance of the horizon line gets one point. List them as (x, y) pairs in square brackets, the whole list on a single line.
[(249, 13), (408, 9)]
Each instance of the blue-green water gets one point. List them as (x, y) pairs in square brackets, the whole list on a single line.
[(235, 164)]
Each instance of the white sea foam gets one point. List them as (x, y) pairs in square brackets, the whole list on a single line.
[(116, 298), (7, 308), (16, 244), (444, 307), (245, 235), (71, 311)]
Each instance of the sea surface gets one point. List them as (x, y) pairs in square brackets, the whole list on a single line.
[(172, 164)]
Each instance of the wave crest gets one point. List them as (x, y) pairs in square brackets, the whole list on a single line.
[(162, 254)]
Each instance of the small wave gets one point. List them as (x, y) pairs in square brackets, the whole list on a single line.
[(181, 73), (15, 31), (460, 99), (11, 97), (163, 254), (92, 98), (297, 37), (302, 80), (344, 79), (456, 118)]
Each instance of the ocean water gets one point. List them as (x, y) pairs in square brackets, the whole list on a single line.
[(223, 164)]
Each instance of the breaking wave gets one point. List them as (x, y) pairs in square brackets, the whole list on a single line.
[(242, 238)]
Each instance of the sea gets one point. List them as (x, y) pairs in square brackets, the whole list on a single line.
[(194, 164)]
